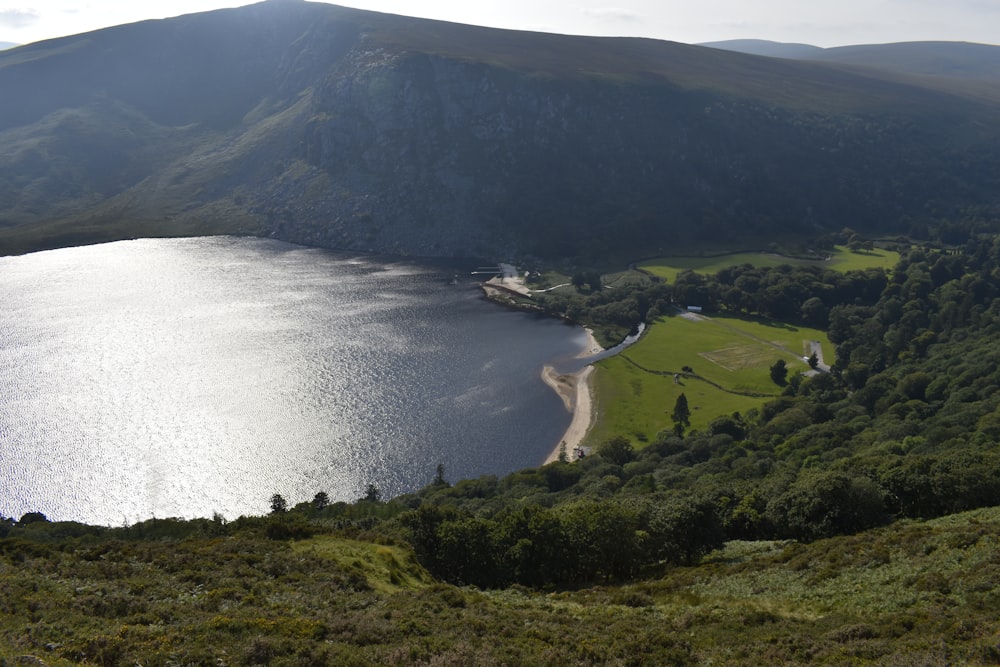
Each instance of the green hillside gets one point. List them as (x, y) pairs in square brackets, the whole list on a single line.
[(728, 361), (919, 592), (336, 127)]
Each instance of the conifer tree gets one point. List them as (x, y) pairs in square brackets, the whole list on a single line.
[(681, 415)]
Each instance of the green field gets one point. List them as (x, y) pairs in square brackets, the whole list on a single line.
[(733, 353), (840, 259)]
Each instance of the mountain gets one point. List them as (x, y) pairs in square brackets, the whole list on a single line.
[(7, 45), (951, 60), (344, 128), (763, 47), (937, 59)]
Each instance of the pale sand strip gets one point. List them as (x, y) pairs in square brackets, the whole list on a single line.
[(575, 391)]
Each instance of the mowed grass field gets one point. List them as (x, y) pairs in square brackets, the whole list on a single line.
[(735, 354), (840, 259)]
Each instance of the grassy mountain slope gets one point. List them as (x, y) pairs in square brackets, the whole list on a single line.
[(954, 59), (338, 127), (939, 59), (172, 592)]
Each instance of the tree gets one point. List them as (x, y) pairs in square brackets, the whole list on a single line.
[(914, 385), (813, 361), (278, 504), (373, 494), (468, 553), (732, 426), (823, 503), (815, 312), (683, 530), (681, 415), (424, 524), (439, 476), (779, 372), (602, 541), (617, 450), (320, 500)]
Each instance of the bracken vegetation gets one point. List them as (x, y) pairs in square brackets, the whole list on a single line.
[(203, 592)]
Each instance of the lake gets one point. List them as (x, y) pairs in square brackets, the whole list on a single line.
[(185, 377)]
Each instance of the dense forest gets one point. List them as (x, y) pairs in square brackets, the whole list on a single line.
[(903, 428)]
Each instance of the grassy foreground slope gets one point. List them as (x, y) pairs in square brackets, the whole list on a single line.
[(917, 593)]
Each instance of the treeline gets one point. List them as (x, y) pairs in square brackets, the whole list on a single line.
[(808, 294), (800, 294), (931, 295), (838, 301), (674, 502), (906, 425), (575, 543)]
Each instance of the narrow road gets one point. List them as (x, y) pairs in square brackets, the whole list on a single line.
[(816, 348)]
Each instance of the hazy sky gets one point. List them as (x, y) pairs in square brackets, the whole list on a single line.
[(824, 23)]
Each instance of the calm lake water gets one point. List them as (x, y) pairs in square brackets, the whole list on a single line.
[(182, 377)]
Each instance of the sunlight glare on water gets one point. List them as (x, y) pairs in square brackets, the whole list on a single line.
[(182, 377)]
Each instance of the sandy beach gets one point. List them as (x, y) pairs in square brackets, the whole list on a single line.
[(575, 392), (574, 388)]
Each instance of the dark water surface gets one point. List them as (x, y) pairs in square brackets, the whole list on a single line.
[(184, 377)]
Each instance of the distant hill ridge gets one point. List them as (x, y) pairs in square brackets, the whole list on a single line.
[(359, 130), (963, 60)]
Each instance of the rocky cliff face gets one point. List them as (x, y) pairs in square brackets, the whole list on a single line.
[(355, 130)]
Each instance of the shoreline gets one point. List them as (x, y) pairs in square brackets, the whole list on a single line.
[(574, 389), (576, 393)]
